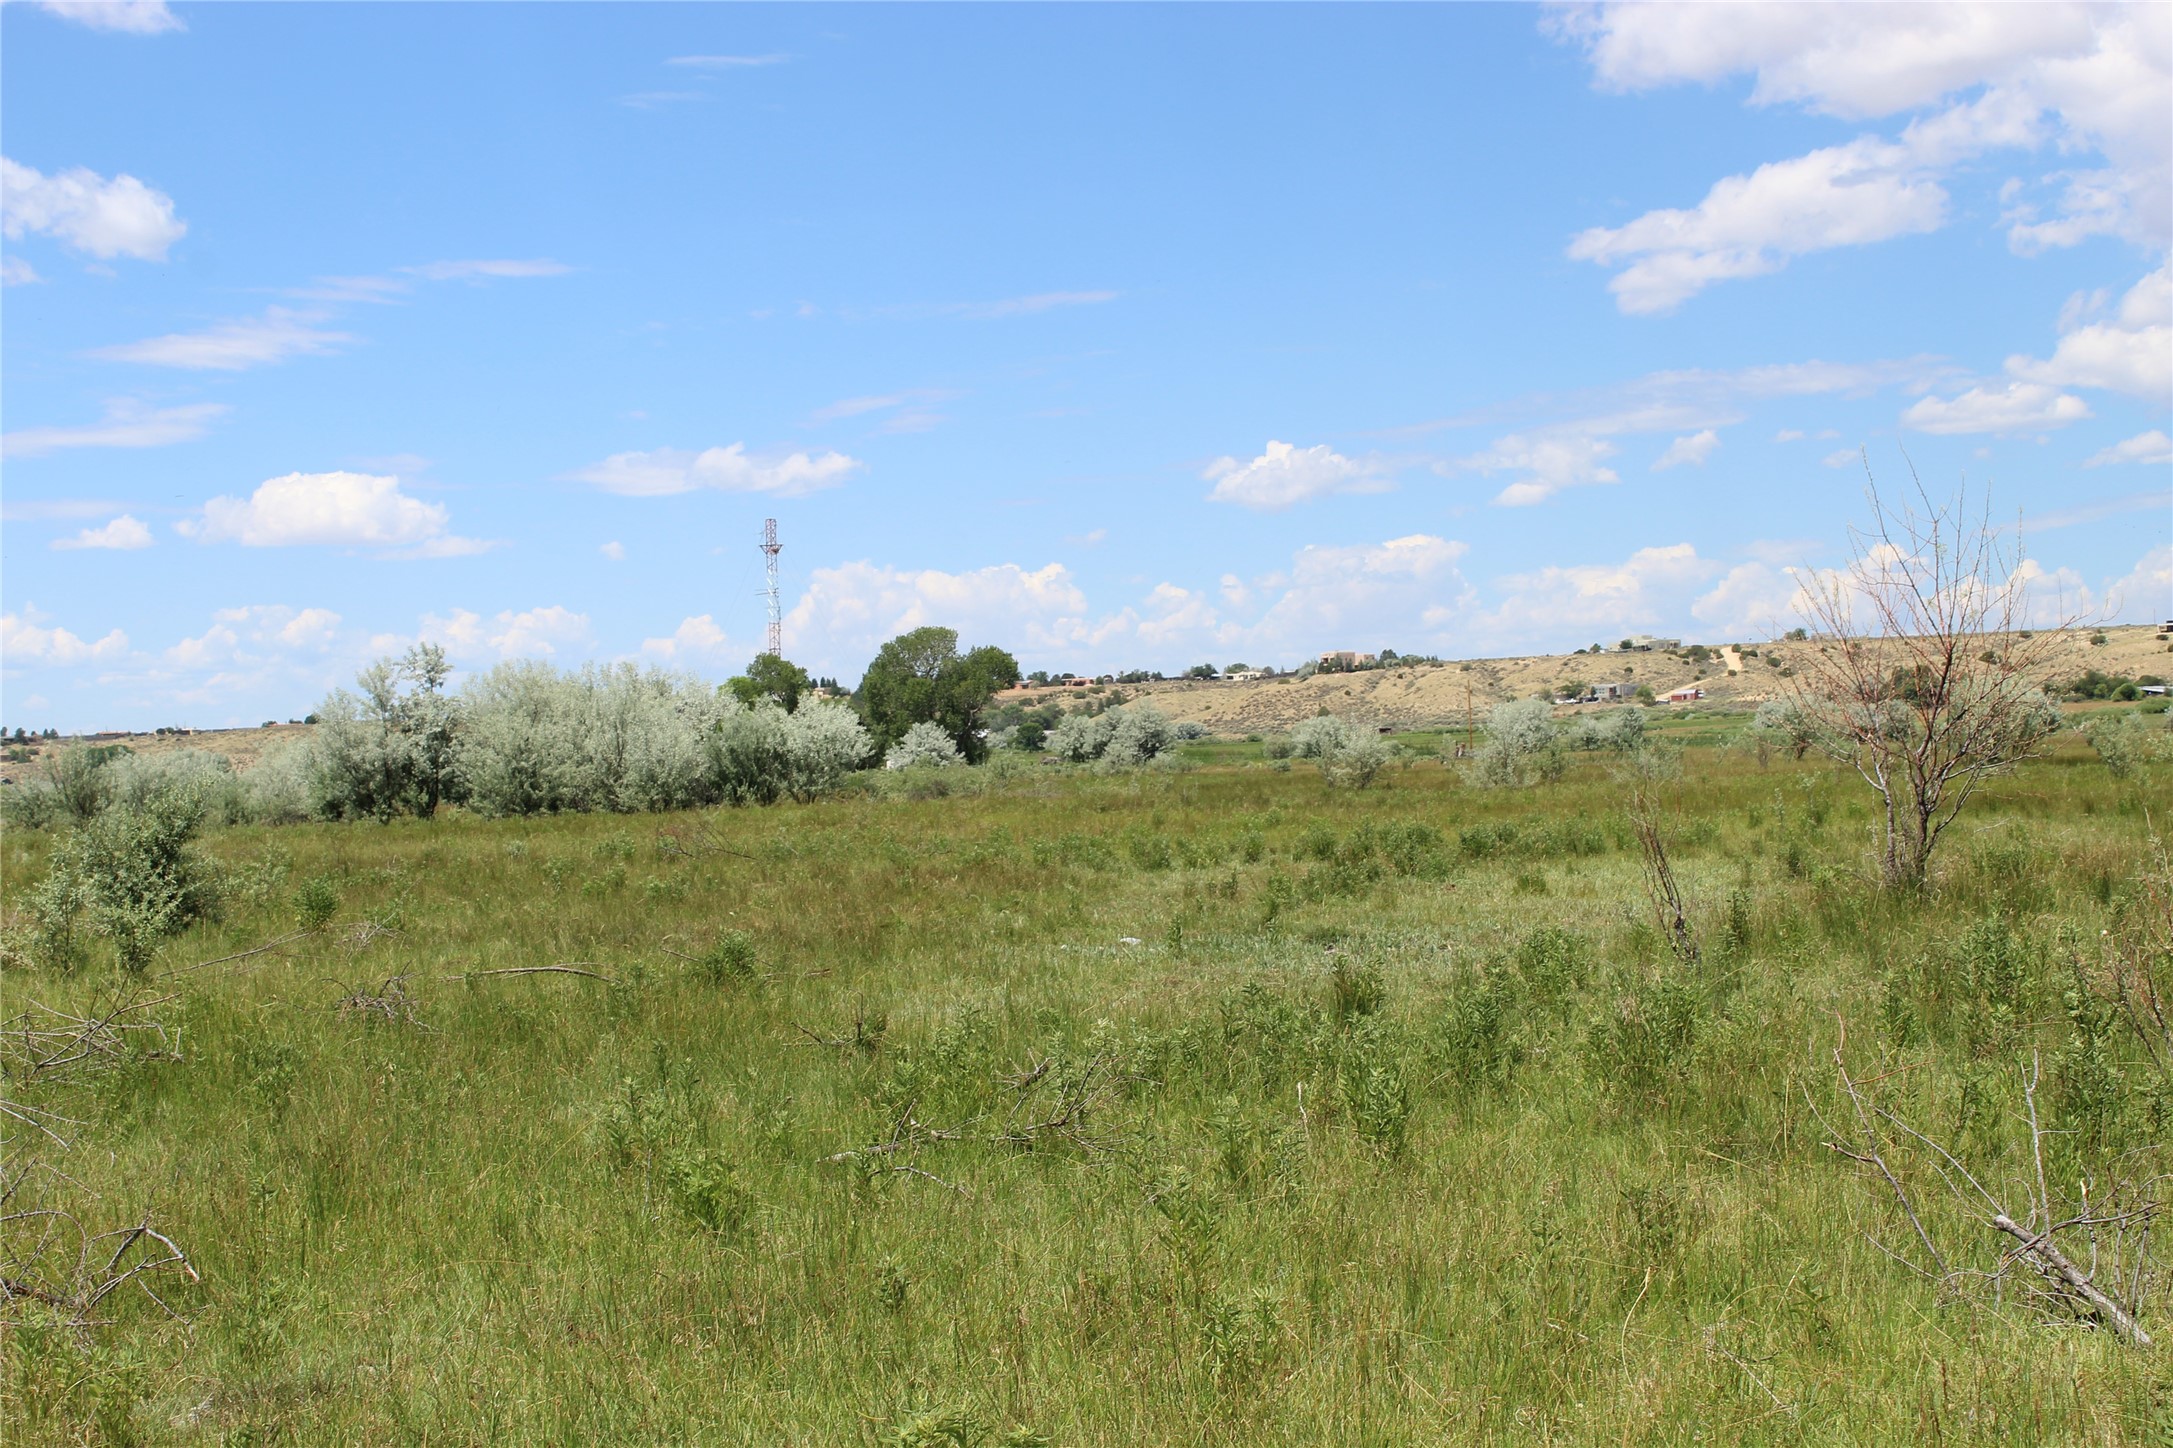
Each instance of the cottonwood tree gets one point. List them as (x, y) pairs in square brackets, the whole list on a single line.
[(1926, 676), (921, 677), (771, 677)]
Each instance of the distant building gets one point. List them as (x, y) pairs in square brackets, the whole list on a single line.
[(1646, 643), (1346, 658), (1607, 693), (1687, 694)]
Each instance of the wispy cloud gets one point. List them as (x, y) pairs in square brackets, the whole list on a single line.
[(351, 289), (44, 510), (234, 345), (667, 470), (490, 270), (127, 423), (910, 410), (724, 62), (657, 100), (130, 17), (1030, 306), (1004, 307), (2092, 512)]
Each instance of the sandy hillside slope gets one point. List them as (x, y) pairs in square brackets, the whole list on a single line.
[(1437, 695)]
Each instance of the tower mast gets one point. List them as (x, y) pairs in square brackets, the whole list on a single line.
[(770, 549)]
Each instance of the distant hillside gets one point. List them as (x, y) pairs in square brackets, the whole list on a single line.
[(1423, 696)]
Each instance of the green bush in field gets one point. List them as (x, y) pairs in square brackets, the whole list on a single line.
[(730, 960), (1522, 746), (131, 876), (316, 901)]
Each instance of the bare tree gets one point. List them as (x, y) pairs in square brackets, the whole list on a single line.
[(1924, 674)]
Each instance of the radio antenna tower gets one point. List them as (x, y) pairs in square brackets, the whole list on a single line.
[(770, 549)]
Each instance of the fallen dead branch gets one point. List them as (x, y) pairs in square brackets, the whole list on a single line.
[(76, 1283), (576, 969), (867, 1033), (1080, 1092), (2117, 1236), (41, 1041), (692, 842), (253, 951), (389, 1001), (1036, 1119)]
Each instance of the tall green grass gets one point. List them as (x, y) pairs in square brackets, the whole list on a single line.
[(1391, 1119)]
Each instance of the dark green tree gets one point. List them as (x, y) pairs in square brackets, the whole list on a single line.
[(771, 677), (922, 676)]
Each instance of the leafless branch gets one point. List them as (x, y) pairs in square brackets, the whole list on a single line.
[(1925, 674)]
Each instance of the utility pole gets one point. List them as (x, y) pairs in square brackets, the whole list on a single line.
[(770, 549)]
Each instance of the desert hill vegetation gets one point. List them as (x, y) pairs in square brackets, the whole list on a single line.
[(610, 1056)]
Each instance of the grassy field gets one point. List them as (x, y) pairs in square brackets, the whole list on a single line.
[(1204, 1106)]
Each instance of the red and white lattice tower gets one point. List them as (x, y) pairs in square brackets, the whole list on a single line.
[(770, 549)]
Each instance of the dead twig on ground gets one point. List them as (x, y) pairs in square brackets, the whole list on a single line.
[(693, 842), (867, 1033), (580, 968), (390, 1000), (253, 951)]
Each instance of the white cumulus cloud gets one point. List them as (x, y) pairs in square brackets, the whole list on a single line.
[(2089, 80), (2016, 407), (1691, 450), (1550, 461), (2145, 447), (27, 638), (850, 609), (728, 469), (2146, 594), (1285, 475), (233, 346), (1601, 600), (508, 634), (340, 509), (253, 636), (698, 639), (123, 533), (127, 423), (1362, 596), (88, 212), (1748, 226), (2130, 351)]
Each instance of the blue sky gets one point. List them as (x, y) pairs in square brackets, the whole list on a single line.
[(1119, 336)]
